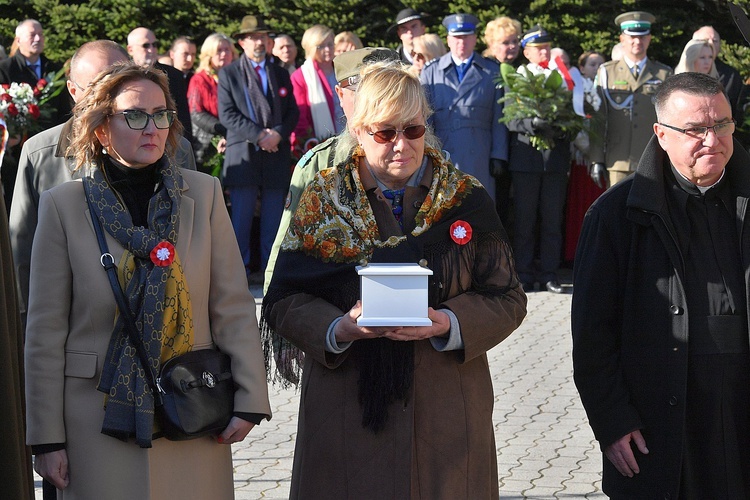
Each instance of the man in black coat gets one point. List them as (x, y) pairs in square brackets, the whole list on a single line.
[(660, 310), (29, 65), (540, 180), (257, 106)]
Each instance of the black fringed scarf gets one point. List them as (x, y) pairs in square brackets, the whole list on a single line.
[(334, 228)]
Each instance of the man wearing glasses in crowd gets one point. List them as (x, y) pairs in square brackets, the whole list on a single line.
[(143, 48), (660, 313)]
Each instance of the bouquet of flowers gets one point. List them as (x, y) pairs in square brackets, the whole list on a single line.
[(23, 106), (541, 96)]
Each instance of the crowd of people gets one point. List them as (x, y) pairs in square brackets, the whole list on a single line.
[(339, 155)]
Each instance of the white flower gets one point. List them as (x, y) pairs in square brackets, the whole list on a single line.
[(162, 254), (460, 232)]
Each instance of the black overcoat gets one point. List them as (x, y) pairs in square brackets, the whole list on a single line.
[(630, 320)]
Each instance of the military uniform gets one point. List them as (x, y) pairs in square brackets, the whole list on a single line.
[(324, 155), (628, 115)]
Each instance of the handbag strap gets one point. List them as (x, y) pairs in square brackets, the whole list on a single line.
[(108, 263)]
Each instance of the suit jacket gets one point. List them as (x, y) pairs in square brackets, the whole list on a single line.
[(627, 112), (44, 165), (244, 163), (467, 114), (14, 69), (71, 314), (630, 320)]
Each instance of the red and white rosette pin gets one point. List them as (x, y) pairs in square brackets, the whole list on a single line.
[(163, 254), (461, 232)]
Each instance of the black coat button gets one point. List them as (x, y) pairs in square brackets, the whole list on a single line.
[(673, 401)]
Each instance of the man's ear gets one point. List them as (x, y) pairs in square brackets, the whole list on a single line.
[(659, 132)]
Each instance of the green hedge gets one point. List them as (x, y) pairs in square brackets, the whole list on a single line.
[(576, 25)]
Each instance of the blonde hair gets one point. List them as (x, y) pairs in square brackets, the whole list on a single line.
[(97, 104), (347, 37), (314, 36), (209, 49), (432, 46), (389, 91), (691, 53), (501, 26)]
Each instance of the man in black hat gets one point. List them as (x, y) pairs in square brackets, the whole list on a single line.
[(256, 105), (409, 24)]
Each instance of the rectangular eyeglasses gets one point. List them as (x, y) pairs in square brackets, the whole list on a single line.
[(138, 120), (723, 129)]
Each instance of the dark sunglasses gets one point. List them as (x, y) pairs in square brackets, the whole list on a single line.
[(148, 45), (389, 135), (138, 120)]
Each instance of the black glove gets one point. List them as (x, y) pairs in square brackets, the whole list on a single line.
[(498, 168), (598, 174), (541, 126)]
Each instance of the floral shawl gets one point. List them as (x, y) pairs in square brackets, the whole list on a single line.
[(334, 228)]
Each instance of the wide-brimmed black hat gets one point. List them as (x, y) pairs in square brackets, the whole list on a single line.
[(251, 24), (404, 16)]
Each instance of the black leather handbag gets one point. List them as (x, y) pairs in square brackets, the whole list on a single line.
[(197, 392), (194, 392)]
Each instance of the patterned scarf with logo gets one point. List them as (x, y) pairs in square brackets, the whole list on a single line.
[(154, 285)]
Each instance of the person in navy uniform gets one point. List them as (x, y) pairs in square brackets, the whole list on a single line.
[(540, 180), (463, 91)]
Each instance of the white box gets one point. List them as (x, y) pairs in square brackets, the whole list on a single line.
[(394, 295)]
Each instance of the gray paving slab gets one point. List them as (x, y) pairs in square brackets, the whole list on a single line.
[(544, 445)]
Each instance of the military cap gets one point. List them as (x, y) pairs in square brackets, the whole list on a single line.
[(251, 24), (635, 23), (460, 24), (347, 65), (535, 36)]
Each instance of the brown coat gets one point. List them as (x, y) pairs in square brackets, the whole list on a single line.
[(15, 460), (439, 443), (71, 313)]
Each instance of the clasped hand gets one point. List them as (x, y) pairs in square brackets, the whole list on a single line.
[(348, 330), (269, 140)]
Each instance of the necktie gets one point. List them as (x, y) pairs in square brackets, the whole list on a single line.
[(461, 70), (636, 71), (36, 68), (397, 203), (263, 88)]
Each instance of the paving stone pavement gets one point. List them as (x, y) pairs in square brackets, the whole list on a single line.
[(545, 448)]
